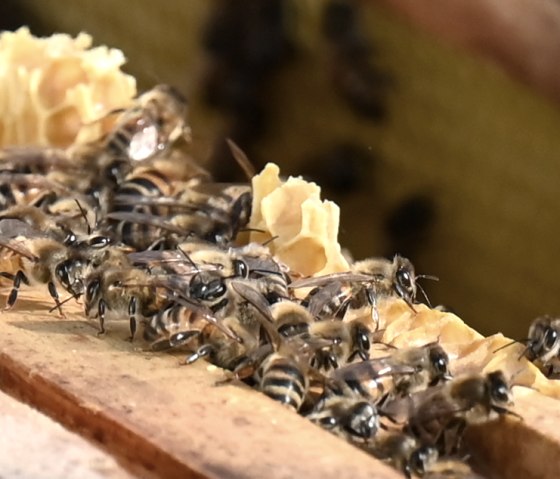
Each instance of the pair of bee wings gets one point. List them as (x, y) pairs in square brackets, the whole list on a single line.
[(249, 293), (336, 278), (434, 403), (11, 230), (175, 285)]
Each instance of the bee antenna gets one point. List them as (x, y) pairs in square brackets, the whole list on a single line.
[(241, 159), (256, 230), (424, 294), (427, 276), (520, 341), (189, 259), (84, 215), (267, 242), (267, 271), (73, 296)]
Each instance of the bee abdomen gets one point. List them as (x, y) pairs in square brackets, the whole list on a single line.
[(284, 382)]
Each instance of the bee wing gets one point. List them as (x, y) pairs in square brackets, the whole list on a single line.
[(259, 302), (147, 219), (29, 156), (17, 247), (153, 201), (253, 296), (31, 180), (160, 257), (208, 315), (372, 369), (242, 159), (329, 278), (12, 227)]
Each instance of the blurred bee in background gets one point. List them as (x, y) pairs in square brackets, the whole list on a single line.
[(247, 44), (409, 223), (355, 77)]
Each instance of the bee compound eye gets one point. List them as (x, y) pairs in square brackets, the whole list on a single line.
[(99, 242), (363, 340), (70, 239), (501, 393), (241, 269), (328, 422), (550, 338)]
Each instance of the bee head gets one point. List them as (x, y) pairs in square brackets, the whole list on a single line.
[(363, 420), (439, 364), (421, 459), (70, 275), (405, 281), (498, 389)]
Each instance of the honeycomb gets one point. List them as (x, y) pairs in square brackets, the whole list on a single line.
[(55, 90)]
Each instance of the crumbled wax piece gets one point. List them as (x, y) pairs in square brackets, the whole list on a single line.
[(54, 91), (303, 228)]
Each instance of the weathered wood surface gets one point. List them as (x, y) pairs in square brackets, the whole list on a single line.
[(157, 416), (34, 446), (161, 419), (521, 35), (527, 448)]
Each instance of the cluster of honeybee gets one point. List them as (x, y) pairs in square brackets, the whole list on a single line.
[(136, 228)]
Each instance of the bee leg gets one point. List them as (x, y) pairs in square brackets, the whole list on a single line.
[(101, 308), (372, 300), (54, 294), (18, 278), (242, 371), (202, 352), (132, 307)]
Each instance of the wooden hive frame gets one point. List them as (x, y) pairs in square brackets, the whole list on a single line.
[(160, 419)]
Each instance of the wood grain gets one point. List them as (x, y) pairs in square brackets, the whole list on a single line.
[(527, 448), (156, 416), (33, 446)]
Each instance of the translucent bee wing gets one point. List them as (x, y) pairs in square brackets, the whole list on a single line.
[(337, 277), (147, 219), (17, 247), (11, 228)]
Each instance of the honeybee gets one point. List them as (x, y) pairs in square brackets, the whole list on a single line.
[(215, 216), (543, 344), (179, 323), (280, 368), (59, 228), (438, 416), (43, 260), (367, 281), (350, 416), (346, 339), (404, 453), (156, 119), (410, 369), (116, 290)]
